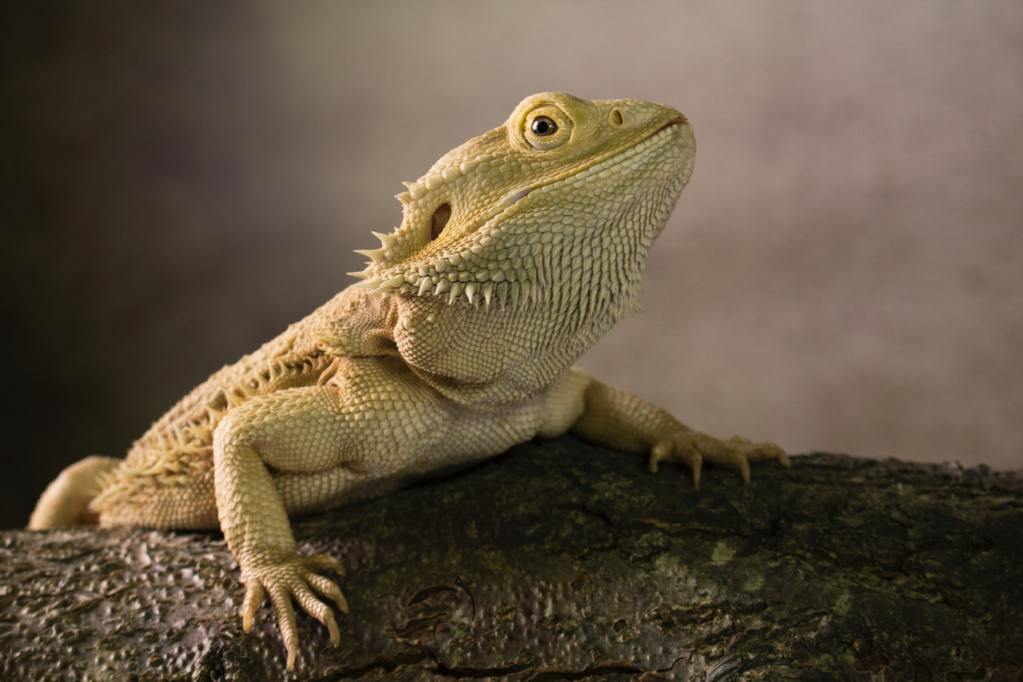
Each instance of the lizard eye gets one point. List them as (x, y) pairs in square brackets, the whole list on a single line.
[(547, 127), (542, 126)]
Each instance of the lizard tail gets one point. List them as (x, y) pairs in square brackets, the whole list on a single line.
[(65, 502)]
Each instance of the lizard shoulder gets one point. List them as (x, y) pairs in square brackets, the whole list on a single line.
[(355, 323)]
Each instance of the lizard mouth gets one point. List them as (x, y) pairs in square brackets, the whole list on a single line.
[(603, 162)]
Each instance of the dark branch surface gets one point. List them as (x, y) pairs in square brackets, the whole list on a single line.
[(564, 561)]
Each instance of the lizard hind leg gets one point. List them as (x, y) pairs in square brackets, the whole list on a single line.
[(65, 502)]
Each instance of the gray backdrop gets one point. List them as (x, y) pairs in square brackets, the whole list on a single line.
[(844, 272)]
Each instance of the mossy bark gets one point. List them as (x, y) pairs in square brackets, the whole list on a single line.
[(565, 561)]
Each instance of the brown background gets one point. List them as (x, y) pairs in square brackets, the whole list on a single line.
[(845, 271)]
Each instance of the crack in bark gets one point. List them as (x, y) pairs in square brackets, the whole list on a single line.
[(602, 670), (462, 673)]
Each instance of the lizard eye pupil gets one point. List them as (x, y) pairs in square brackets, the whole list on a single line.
[(543, 126)]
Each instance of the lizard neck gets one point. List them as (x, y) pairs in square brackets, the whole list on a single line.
[(503, 353)]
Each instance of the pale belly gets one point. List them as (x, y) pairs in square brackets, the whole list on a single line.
[(406, 433)]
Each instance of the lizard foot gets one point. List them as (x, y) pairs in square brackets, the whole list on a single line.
[(693, 448), (295, 578)]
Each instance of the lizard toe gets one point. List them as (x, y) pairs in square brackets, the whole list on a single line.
[(326, 587), (770, 451), (323, 562), (281, 600), (318, 610), (254, 597), (676, 450)]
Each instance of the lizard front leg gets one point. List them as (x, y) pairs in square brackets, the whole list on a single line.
[(308, 448), (614, 418), (295, 430)]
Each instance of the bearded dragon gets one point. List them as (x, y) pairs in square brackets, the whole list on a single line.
[(516, 251)]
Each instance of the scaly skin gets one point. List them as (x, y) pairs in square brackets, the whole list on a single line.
[(516, 251)]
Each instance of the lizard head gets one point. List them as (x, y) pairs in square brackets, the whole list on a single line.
[(559, 205)]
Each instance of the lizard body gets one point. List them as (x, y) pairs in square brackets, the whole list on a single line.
[(516, 252)]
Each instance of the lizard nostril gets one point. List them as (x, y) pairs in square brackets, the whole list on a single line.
[(616, 117), (439, 220)]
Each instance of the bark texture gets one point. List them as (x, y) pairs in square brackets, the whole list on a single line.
[(565, 561)]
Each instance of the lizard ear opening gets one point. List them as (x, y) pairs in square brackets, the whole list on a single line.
[(439, 220)]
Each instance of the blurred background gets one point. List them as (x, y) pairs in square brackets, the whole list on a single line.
[(844, 272)]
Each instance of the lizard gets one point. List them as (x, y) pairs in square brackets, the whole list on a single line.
[(516, 251)]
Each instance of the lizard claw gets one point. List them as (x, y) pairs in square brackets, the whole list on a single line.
[(295, 579), (669, 450), (693, 448), (254, 596)]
